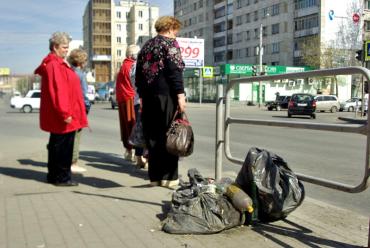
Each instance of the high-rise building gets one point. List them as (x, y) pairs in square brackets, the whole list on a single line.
[(109, 27), (286, 26)]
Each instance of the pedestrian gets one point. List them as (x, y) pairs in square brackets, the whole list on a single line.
[(125, 95), (77, 59), (62, 109), (160, 86)]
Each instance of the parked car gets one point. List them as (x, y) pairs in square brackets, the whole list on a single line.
[(302, 104), (351, 104), (280, 103), (28, 103), (91, 93), (327, 103)]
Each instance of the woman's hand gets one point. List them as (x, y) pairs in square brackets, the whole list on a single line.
[(181, 102), (68, 120)]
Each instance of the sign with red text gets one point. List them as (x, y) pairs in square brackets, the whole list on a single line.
[(192, 51)]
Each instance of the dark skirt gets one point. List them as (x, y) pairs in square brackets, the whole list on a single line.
[(157, 114), (126, 120)]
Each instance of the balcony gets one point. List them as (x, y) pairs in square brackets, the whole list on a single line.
[(306, 32)]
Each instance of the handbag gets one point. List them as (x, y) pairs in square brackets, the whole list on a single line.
[(180, 136)]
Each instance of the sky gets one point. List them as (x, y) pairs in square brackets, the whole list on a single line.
[(26, 26)]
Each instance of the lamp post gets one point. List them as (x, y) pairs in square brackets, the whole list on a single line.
[(260, 53)]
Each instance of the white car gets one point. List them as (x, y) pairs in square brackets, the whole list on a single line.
[(28, 103), (91, 94)]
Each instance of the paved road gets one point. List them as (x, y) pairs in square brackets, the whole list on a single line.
[(335, 156)]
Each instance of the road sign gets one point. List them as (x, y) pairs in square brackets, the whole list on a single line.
[(208, 72), (367, 50), (192, 51), (355, 18)]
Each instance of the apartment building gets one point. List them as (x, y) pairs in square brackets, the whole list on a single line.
[(285, 25), (109, 27)]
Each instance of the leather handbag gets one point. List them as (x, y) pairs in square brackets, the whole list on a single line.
[(180, 136)]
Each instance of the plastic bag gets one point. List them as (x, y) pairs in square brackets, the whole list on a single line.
[(196, 210), (137, 136), (180, 137), (272, 185)]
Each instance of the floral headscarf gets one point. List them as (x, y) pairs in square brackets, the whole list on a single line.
[(154, 53)]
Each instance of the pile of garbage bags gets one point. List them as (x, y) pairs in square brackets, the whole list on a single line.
[(265, 190)]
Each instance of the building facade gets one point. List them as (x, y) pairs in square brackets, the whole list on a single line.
[(109, 27), (286, 27)]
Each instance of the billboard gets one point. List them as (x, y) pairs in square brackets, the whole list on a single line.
[(4, 71), (192, 51)]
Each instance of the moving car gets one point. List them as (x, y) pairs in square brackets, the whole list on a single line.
[(28, 103), (351, 104), (327, 103), (302, 104), (91, 93), (280, 103)]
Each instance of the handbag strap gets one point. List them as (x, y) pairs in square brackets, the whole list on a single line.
[(183, 117)]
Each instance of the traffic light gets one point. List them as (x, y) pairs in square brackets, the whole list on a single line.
[(254, 70), (359, 55)]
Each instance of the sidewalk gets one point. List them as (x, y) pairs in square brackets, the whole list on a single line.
[(113, 207)]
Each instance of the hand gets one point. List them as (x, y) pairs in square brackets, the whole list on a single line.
[(68, 120), (181, 102)]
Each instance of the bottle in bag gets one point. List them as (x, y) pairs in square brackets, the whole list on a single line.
[(239, 198)]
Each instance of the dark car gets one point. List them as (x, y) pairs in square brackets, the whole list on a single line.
[(302, 104), (280, 103)]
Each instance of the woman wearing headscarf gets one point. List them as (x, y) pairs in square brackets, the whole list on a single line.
[(160, 86), (62, 110)]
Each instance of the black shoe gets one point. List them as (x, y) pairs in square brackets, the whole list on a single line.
[(67, 183)]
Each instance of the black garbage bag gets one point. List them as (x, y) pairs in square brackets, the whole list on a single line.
[(198, 210), (274, 188)]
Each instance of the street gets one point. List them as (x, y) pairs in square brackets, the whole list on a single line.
[(331, 155)]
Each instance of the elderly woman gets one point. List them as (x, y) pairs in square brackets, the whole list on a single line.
[(160, 86), (77, 59), (62, 109)]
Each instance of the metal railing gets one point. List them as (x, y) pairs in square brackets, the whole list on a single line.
[(224, 121)]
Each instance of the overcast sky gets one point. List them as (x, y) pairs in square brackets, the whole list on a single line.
[(26, 25)]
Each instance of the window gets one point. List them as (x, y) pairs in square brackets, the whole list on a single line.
[(140, 13), (306, 22), (220, 56), (119, 40), (118, 14), (275, 47), (301, 4), (119, 53), (247, 52), (238, 20), (275, 9), (140, 39), (229, 39), (247, 18), (140, 26), (264, 31), (200, 3), (239, 37), (256, 33), (194, 6), (238, 4), (367, 4), (220, 27), (229, 9), (238, 53), (220, 12), (248, 35), (220, 41), (265, 12), (367, 25), (36, 95), (275, 28), (119, 27), (256, 15)]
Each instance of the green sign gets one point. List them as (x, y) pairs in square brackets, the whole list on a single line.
[(246, 69)]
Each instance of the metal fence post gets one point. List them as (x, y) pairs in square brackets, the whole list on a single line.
[(219, 131)]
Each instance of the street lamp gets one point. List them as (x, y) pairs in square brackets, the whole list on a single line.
[(260, 53)]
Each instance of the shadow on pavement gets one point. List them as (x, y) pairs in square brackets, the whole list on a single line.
[(117, 198), (297, 232), (27, 174), (112, 162), (32, 162), (166, 208)]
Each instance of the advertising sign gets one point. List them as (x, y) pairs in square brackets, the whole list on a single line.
[(4, 71), (192, 51)]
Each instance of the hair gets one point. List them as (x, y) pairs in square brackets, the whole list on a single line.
[(132, 51), (59, 38), (166, 23), (77, 57)]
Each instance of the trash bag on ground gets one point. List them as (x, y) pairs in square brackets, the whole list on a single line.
[(198, 208), (272, 185)]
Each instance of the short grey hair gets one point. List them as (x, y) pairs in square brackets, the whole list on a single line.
[(59, 38), (132, 51)]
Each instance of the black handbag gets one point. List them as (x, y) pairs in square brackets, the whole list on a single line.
[(180, 136)]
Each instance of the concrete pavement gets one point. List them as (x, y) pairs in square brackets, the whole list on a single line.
[(114, 207)]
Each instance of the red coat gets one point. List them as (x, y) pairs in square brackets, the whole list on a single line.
[(124, 89), (61, 96)]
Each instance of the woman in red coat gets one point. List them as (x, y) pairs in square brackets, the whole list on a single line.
[(62, 110)]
